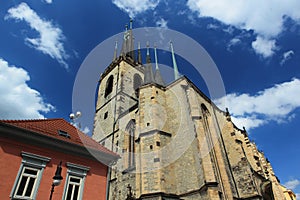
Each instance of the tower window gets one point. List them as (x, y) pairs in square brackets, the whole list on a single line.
[(137, 82), (105, 115), (157, 143), (109, 86), (130, 129)]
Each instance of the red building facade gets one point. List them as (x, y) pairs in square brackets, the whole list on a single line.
[(31, 150)]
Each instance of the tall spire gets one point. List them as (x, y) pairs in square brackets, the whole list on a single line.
[(115, 52), (130, 23), (131, 40), (148, 73), (128, 46), (139, 58), (157, 76), (148, 58), (155, 55), (176, 73)]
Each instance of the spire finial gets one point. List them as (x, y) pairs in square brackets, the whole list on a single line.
[(148, 59), (115, 51), (130, 22), (147, 45), (157, 76), (128, 43), (176, 73), (139, 53)]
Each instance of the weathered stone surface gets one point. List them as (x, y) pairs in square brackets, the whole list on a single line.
[(182, 146)]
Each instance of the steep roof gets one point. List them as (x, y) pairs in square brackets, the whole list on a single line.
[(52, 127)]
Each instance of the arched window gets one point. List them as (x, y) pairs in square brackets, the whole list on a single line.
[(137, 82), (109, 86), (204, 110), (130, 130)]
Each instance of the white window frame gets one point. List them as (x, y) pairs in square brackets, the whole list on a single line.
[(32, 162), (75, 171)]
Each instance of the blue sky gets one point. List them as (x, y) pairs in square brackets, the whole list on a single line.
[(255, 45)]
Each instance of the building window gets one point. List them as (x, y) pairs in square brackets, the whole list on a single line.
[(27, 182), (130, 130), (105, 115), (109, 86), (64, 134), (137, 82), (29, 176), (74, 186)]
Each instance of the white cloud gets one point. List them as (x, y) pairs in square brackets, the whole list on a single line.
[(162, 23), (212, 26), (265, 18), (292, 184), (48, 1), (272, 104), (18, 100), (233, 42), (286, 56), (86, 130), (134, 7), (50, 37), (249, 122), (264, 47)]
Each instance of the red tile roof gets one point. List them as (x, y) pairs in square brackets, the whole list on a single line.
[(50, 127)]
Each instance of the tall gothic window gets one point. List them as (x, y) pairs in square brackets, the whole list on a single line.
[(137, 82), (109, 86), (130, 130), (206, 115), (204, 110)]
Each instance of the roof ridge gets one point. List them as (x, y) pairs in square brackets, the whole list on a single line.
[(30, 120)]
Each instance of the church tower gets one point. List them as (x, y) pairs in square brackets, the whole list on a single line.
[(174, 142)]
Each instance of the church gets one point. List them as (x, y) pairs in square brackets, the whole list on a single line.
[(174, 142)]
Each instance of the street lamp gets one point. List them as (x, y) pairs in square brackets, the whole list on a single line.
[(56, 179), (75, 116)]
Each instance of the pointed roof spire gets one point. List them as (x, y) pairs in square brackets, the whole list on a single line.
[(139, 57), (131, 40), (155, 55), (157, 76), (130, 23), (115, 51), (176, 73), (148, 58), (148, 73), (128, 46)]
